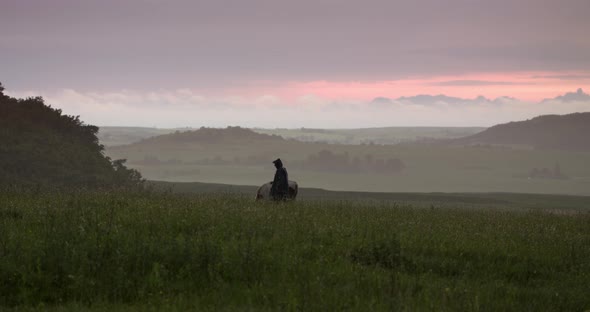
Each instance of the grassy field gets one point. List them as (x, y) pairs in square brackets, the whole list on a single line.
[(537, 202), (217, 249)]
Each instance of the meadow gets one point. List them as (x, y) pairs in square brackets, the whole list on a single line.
[(216, 250)]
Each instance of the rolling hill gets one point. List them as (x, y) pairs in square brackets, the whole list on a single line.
[(549, 132), (116, 136)]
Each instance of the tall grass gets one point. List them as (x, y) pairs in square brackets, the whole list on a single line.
[(126, 251)]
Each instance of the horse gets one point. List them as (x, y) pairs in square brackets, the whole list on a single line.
[(263, 192)]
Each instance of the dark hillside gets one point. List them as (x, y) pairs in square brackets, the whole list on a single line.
[(212, 136), (39, 146), (559, 132)]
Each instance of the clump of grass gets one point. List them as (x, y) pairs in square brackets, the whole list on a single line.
[(378, 253), (138, 251)]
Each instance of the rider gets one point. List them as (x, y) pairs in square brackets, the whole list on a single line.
[(280, 184)]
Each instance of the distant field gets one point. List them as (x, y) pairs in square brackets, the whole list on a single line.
[(219, 250), (242, 157), (427, 168), (388, 135), (114, 136), (538, 202)]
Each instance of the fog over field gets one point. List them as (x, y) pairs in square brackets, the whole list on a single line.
[(547, 154)]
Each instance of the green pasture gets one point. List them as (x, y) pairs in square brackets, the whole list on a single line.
[(216, 249)]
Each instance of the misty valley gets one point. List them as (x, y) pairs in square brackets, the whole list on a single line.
[(499, 159)]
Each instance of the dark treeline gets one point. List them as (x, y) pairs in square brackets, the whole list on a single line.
[(324, 161), (329, 161), (546, 173), (41, 147)]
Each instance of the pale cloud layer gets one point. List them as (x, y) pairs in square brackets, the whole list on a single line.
[(148, 44), (185, 108), (312, 63)]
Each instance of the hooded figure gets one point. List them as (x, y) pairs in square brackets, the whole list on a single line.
[(280, 184)]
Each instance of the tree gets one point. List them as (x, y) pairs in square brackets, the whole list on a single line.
[(41, 146)]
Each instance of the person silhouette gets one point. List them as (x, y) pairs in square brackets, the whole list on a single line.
[(280, 184)]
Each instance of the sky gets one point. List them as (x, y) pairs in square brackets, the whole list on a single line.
[(305, 63)]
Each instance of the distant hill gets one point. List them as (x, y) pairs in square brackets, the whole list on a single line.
[(242, 147), (113, 136), (41, 147), (556, 132), (384, 135), (116, 136), (204, 135), (205, 146)]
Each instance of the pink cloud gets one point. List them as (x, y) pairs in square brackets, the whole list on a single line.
[(528, 86), (183, 107)]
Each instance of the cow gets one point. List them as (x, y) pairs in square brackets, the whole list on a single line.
[(263, 192)]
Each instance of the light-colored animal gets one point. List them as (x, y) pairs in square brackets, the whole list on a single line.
[(263, 192)]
